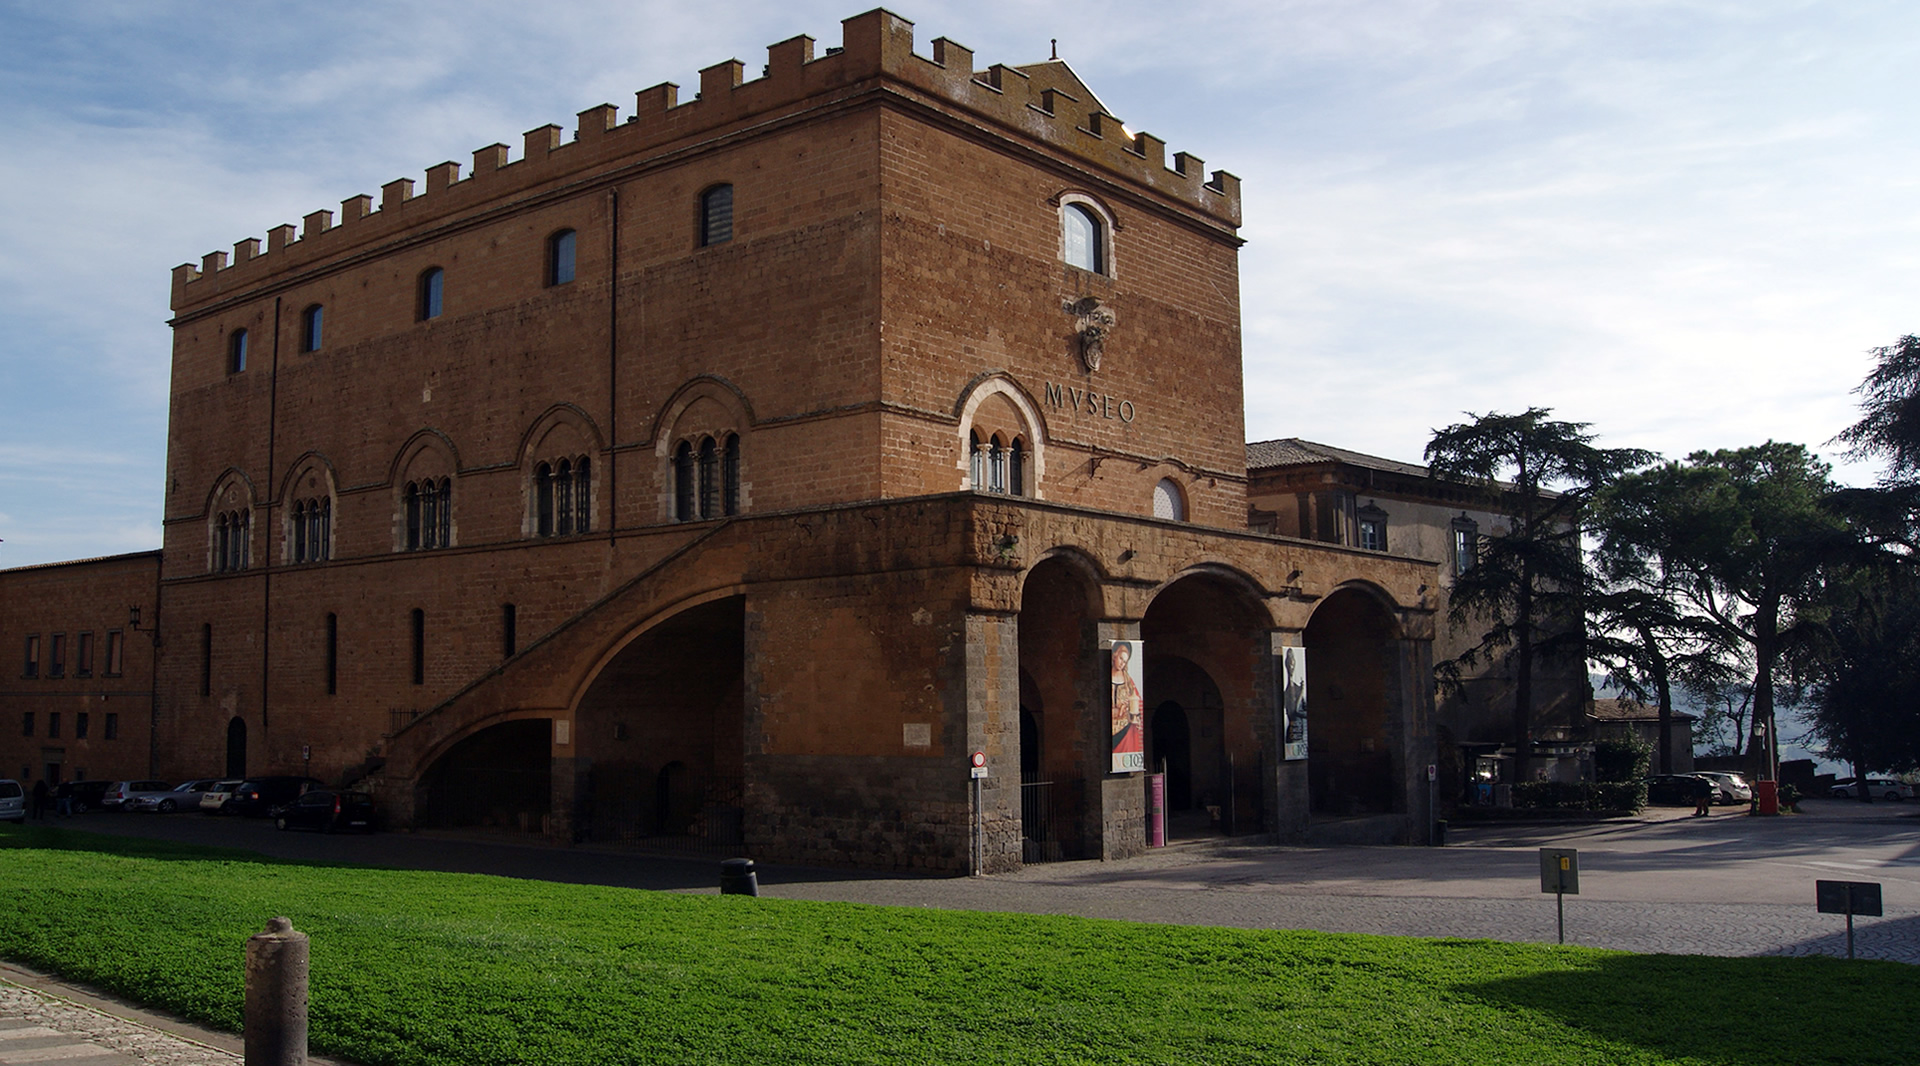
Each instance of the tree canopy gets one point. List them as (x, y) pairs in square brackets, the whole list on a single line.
[(1525, 583)]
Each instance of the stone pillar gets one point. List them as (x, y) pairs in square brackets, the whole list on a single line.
[(276, 996), (993, 726), (1287, 796), (1410, 718), (1117, 803)]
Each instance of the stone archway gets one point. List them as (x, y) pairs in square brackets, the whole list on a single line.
[(1207, 641), (1354, 765), (498, 777), (660, 734), (1058, 652)]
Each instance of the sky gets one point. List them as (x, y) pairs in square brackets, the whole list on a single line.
[(1685, 223)]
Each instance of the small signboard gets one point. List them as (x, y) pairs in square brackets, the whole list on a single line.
[(1560, 871), (1848, 897)]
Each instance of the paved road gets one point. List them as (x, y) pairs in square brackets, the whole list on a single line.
[(1724, 885)]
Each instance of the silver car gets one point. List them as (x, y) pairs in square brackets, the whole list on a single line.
[(13, 802), (124, 794), (184, 796)]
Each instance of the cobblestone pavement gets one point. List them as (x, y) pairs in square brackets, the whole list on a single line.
[(39, 1026)]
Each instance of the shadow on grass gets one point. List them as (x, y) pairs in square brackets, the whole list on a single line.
[(1798, 1011), (51, 839)]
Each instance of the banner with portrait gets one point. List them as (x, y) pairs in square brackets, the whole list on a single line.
[(1293, 703), (1128, 706)]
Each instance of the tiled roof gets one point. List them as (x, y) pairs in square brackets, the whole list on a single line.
[(81, 562), (1628, 710), (1292, 451)]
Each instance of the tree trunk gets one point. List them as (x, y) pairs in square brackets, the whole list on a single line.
[(1664, 757), (1523, 682)]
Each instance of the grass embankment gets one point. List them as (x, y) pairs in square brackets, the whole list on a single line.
[(417, 968)]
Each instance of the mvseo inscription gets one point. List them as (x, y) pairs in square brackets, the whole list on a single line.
[(1088, 402)]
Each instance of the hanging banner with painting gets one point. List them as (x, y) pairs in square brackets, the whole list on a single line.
[(1293, 703), (1129, 707)]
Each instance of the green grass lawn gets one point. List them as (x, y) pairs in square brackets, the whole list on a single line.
[(415, 968)]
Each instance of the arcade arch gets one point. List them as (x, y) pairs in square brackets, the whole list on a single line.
[(1357, 728)]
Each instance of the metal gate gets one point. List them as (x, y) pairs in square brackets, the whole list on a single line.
[(1046, 819)]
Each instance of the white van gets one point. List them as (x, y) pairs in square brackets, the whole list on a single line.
[(13, 802)]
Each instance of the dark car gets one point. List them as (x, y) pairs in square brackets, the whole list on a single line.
[(327, 810), (1672, 790), (258, 796), (89, 795)]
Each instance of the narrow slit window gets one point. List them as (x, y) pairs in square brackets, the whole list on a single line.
[(419, 646), (333, 653), (236, 351), (560, 257), (716, 215), (310, 324), (683, 487), (432, 283)]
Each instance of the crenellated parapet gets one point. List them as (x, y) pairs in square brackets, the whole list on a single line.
[(1042, 102)]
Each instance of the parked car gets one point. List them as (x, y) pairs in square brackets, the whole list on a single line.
[(123, 794), (1728, 787), (1672, 790), (215, 798), (13, 801), (1880, 788), (327, 810), (257, 796), (90, 795), (184, 796)]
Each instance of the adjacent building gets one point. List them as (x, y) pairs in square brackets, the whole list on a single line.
[(1299, 488)]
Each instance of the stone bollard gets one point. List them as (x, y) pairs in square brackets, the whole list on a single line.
[(737, 878), (276, 1011)]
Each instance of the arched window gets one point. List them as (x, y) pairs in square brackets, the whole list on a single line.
[(429, 514), (977, 460), (563, 497), (310, 322), (231, 533), (312, 529), (730, 475), (1083, 238), (1017, 468), (683, 487), (709, 478), (432, 281), (236, 351), (706, 479), (996, 466), (716, 215), (1168, 502), (560, 257)]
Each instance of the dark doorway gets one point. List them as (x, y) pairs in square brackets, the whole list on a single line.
[(236, 748), (1029, 744), (1173, 754), (672, 806)]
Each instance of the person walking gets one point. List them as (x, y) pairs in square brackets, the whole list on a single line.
[(1702, 797), (40, 798), (63, 800)]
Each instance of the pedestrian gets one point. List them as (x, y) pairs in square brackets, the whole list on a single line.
[(40, 798), (1702, 797), (63, 799)]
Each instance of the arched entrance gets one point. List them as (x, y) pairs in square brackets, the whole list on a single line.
[(1062, 733), (1352, 681), (661, 734), (1206, 640), (237, 747), (498, 778)]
